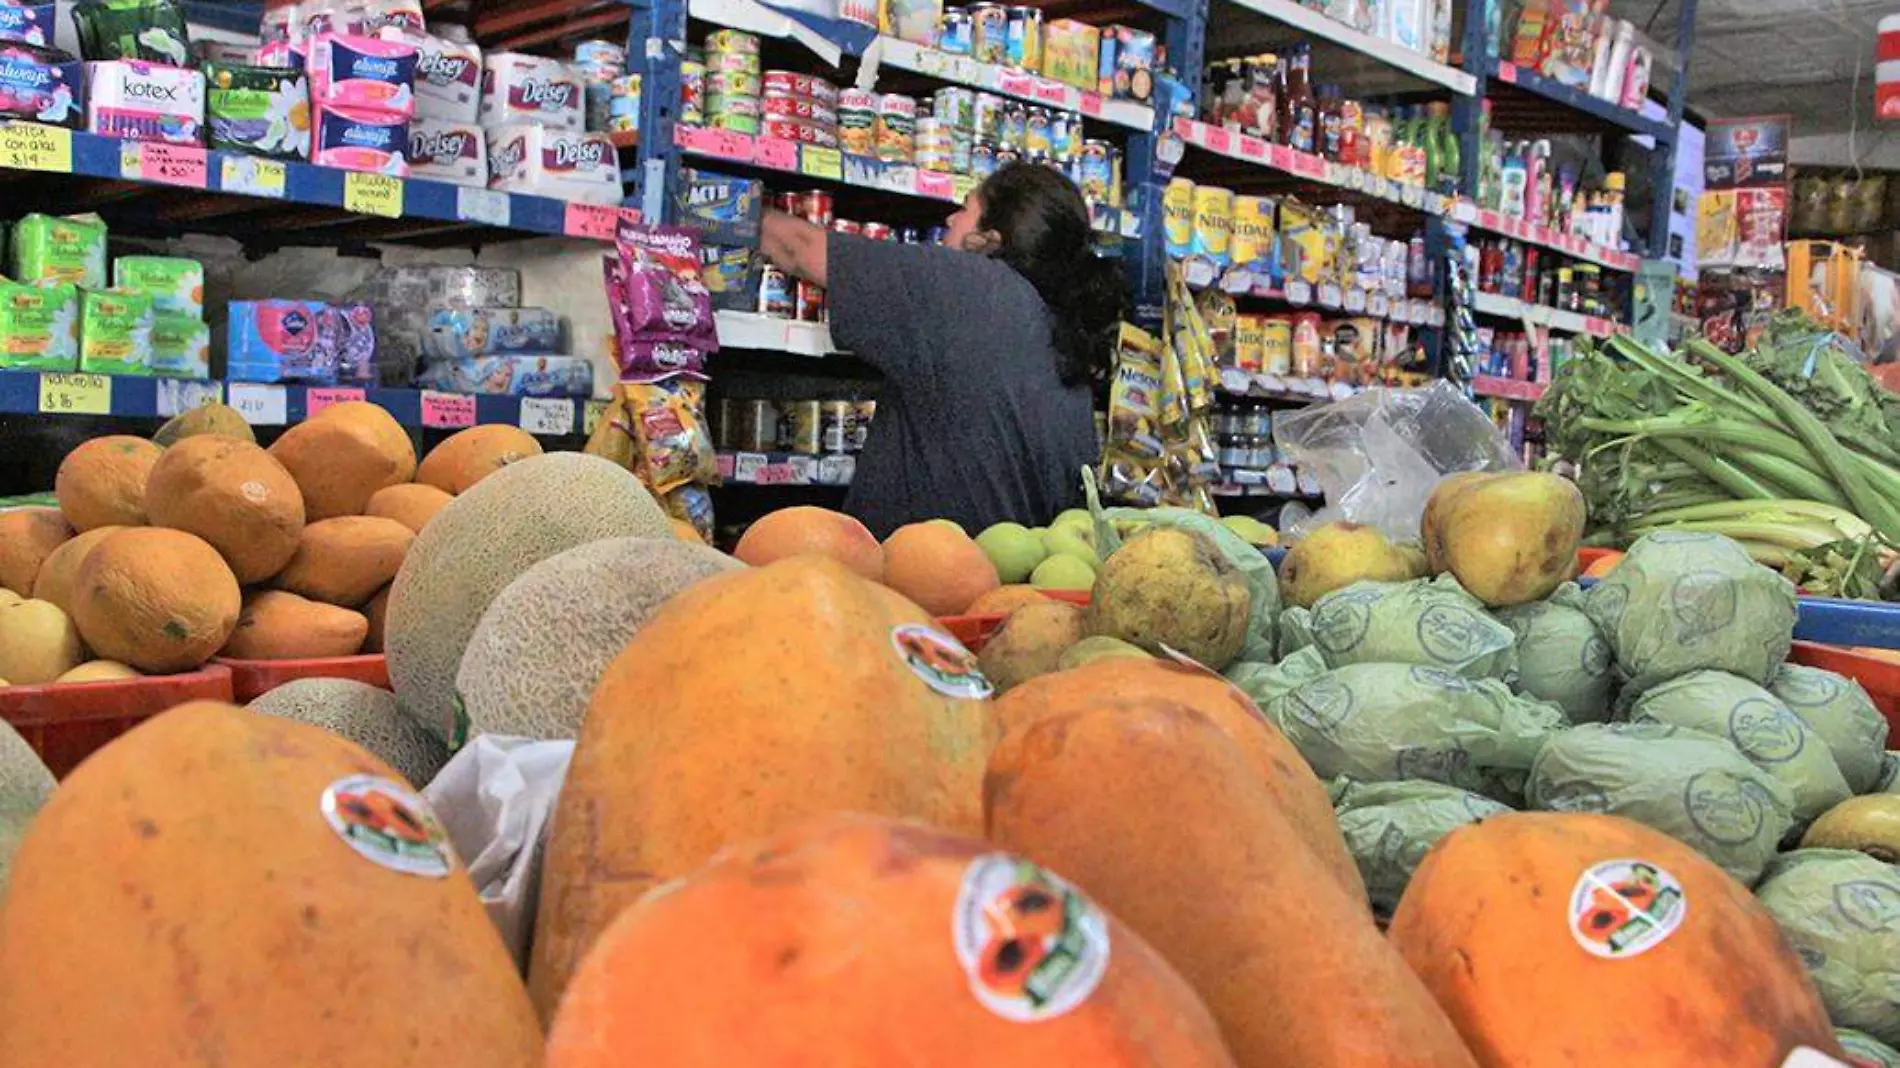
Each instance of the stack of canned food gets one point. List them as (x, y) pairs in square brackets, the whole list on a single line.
[(1243, 438), (783, 297), (600, 64), (719, 86), (803, 427)]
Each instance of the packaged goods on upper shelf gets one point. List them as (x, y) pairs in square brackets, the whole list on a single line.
[(51, 249), (362, 73), (707, 199), (39, 326), (519, 376), (175, 284), (115, 332), (300, 341), (600, 65), (40, 84), (28, 23), (151, 30), (1574, 43), (448, 77), (263, 111), (352, 140), (142, 101), (546, 161), (446, 151), (461, 333), (518, 88), (402, 297)]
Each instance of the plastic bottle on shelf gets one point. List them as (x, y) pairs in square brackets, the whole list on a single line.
[(1329, 118), (1612, 210), (1636, 78), (1302, 112), (1511, 181), (1536, 182), (1617, 69), (1603, 37)]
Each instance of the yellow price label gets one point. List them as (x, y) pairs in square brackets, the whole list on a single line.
[(372, 194), (821, 162), (29, 146), (252, 176), (75, 394)]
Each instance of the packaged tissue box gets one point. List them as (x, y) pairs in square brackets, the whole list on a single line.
[(151, 30), (279, 341), (448, 76), (51, 249), (261, 111), (448, 151), (363, 73), (372, 141), (27, 23), (145, 101), (564, 164), (115, 332), (461, 333), (175, 284), (39, 326), (518, 376), (40, 85), (181, 346), (523, 88)]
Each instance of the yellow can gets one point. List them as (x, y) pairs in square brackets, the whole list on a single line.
[(1250, 341), (1177, 217), (1214, 224), (1253, 232), (1276, 345)]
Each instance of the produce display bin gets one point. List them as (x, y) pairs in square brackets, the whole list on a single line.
[(65, 723), (973, 631), (251, 679)]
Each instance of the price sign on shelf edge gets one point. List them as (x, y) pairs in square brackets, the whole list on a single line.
[(80, 394), (260, 405), (372, 194), (183, 165), (448, 411), (30, 146), (590, 221), (547, 416), (252, 176), (318, 398), (819, 162)]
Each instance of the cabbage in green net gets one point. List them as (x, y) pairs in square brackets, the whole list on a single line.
[(1864, 1049), (1389, 826), (1682, 602), (1385, 722), (1841, 912), (1692, 786), (1561, 656), (1432, 622), (1773, 738), (1838, 709)]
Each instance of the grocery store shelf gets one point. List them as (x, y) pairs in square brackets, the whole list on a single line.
[(786, 469), (1315, 170), (1036, 89), (243, 180), (1513, 389), (1852, 623), (1557, 319), (1200, 274), (133, 397), (865, 172), (745, 330), (1312, 21), (1466, 212), (1238, 383), (1550, 90), (1279, 480)]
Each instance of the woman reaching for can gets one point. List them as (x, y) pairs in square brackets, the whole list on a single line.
[(989, 346)]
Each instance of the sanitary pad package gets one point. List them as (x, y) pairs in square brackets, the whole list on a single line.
[(181, 346), (39, 326), (520, 376), (262, 111), (40, 84), (278, 341), (27, 23), (524, 88), (366, 73), (353, 140), (460, 333), (115, 332), (145, 101), (175, 284), (564, 164), (51, 249), (151, 30), (448, 76), (448, 151)]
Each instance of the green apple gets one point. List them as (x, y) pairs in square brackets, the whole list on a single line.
[(1063, 572), (1065, 543), (1014, 549)]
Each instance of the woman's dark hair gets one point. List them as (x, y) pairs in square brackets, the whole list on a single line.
[(1044, 225)]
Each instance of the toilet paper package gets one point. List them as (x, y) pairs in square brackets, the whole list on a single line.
[(40, 84), (143, 101), (518, 376), (260, 111), (448, 76), (530, 89), (27, 23), (175, 284), (377, 142), (362, 73), (565, 164), (181, 346), (47, 248), (454, 152), (115, 332), (39, 326), (463, 333)]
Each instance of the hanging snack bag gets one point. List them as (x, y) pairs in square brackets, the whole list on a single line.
[(661, 288), (669, 428), (612, 438), (1134, 396)]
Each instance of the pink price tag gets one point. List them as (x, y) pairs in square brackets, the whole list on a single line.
[(1091, 104), (1017, 84), (1507, 72), (725, 464), (776, 475), (1307, 165), (316, 400), (447, 410), (720, 144), (776, 153), (1280, 157), (1218, 139), (172, 164), (1053, 93), (936, 184), (591, 221), (1252, 147)]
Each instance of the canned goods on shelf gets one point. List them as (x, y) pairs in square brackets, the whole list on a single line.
[(1213, 224), (801, 427), (789, 82), (1036, 131), (1253, 232), (862, 413), (953, 31), (735, 122), (732, 63), (896, 128), (1023, 39), (878, 231), (857, 122), (982, 160), (725, 40), (732, 83), (847, 226), (1249, 344), (754, 426), (1177, 217), (776, 297), (835, 430), (692, 93), (815, 207), (722, 105), (989, 33), (810, 302), (1276, 345), (1093, 175), (1065, 136), (955, 105), (987, 119)]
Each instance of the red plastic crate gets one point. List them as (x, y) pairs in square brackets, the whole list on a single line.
[(1880, 677), (974, 631), (251, 679), (65, 723)]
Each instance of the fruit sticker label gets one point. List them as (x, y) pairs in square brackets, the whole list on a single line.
[(1033, 946), (941, 661), (1803, 1057), (388, 823), (1622, 908)]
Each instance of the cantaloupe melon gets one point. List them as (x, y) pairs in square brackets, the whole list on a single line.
[(211, 418), (937, 565), (531, 664), (514, 519), (412, 504), (277, 625), (861, 943), (468, 456), (841, 701), (804, 530), (1507, 918), (25, 784), (377, 612), (158, 599), (366, 715), (102, 482), (1150, 805), (235, 496), (101, 671), (345, 560), (27, 537), (54, 583), (344, 455), (217, 887), (38, 643)]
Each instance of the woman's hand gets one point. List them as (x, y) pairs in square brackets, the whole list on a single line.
[(794, 246)]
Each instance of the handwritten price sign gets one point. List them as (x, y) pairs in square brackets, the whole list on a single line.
[(260, 405), (447, 411), (172, 164), (28, 146), (316, 400), (372, 194), (75, 394), (591, 221)]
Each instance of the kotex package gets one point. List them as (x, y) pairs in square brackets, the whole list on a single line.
[(533, 89), (260, 111), (181, 346), (372, 141), (39, 326), (448, 75), (176, 284), (49, 248), (115, 332), (143, 101), (369, 74), (27, 23), (518, 376), (149, 30), (278, 341), (571, 165), (462, 333), (40, 85), (455, 152)]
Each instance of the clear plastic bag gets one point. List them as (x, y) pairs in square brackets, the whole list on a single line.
[(1378, 455)]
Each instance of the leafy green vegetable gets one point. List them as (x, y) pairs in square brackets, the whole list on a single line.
[(1840, 910), (1839, 711), (1561, 656), (1433, 622), (1390, 826)]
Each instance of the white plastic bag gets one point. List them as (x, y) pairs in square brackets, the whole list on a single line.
[(496, 798)]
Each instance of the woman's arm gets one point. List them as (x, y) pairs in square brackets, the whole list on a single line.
[(794, 245)]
